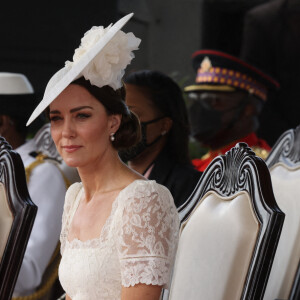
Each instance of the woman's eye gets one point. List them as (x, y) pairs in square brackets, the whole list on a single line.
[(55, 118), (83, 116)]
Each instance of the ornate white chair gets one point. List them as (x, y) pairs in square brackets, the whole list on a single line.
[(284, 165), (17, 215), (229, 231)]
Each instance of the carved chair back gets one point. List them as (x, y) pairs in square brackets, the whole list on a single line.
[(284, 165), (229, 232), (17, 215)]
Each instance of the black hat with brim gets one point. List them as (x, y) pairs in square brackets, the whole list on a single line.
[(219, 71)]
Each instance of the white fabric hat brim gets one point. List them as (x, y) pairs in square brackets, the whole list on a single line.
[(66, 75)]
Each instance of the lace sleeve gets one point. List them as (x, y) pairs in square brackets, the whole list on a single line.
[(148, 235), (69, 201)]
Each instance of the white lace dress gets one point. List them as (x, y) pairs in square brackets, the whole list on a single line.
[(137, 243)]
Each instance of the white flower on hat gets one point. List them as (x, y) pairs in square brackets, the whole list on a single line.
[(108, 67), (101, 58)]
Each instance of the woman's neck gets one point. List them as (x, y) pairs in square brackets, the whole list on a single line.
[(107, 175), (101, 175)]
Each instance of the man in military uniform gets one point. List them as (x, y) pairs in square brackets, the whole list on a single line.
[(46, 183), (224, 104)]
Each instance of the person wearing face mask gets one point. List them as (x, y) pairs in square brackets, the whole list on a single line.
[(224, 104), (162, 154)]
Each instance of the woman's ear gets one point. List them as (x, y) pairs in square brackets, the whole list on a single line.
[(114, 122), (167, 124)]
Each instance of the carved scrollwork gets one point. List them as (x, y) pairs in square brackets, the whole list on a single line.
[(230, 172), (5, 160), (4, 146), (12, 176), (286, 150), (45, 144)]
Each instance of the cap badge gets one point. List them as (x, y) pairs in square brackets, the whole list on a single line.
[(205, 65)]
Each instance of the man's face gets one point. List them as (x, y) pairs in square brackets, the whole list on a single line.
[(212, 113)]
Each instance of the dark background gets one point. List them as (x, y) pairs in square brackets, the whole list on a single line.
[(37, 37), (222, 23)]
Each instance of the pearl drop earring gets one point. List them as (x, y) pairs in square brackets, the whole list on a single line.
[(112, 136)]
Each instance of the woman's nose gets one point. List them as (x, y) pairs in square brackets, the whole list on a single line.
[(68, 130)]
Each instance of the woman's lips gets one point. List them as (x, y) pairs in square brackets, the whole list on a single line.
[(71, 148)]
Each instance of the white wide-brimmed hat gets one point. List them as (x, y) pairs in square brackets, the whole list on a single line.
[(101, 58), (14, 84)]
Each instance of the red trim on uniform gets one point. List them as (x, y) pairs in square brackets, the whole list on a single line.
[(252, 140)]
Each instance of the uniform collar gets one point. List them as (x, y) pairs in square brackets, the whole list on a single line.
[(250, 139)]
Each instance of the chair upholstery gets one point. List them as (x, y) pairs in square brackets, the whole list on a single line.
[(295, 291), (17, 214), (229, 231), (284, 164), (6, 219)]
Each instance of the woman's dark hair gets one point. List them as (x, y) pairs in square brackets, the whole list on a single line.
[(129, 132), (167, 97)]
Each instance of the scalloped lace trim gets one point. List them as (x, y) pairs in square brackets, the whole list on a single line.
[(151, 270)]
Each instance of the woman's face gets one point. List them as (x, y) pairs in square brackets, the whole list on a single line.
[(81, 128), (139, 102)]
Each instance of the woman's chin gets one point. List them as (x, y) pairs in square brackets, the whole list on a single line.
[(71, 163)]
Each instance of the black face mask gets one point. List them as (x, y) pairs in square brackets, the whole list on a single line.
[(130, 153), (206, 122)]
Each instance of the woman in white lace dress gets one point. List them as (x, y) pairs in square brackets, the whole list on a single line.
[(119, 231)]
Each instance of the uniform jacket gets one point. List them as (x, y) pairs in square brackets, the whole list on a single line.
[(47, 190), (259, 146)]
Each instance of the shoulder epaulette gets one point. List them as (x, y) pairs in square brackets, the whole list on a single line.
[(39, 159), (260, 152)]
